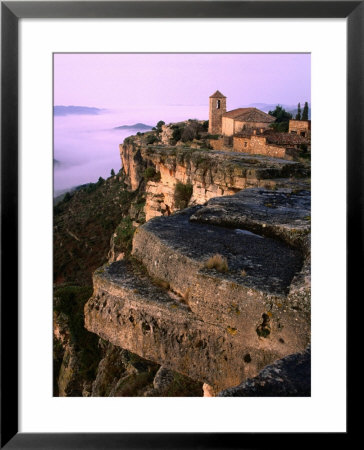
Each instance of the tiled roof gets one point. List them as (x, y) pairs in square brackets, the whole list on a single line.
[(217, 94), (249, 115), (286, 139)]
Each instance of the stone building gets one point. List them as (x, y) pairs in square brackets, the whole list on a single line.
[(231, 122), (269, 142), (300, 127), (216, 110)]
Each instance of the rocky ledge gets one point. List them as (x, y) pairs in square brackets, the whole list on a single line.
[(210, 173), (217, 319)]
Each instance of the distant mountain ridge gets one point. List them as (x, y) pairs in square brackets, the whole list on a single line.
[(60, 110), (136, 126)]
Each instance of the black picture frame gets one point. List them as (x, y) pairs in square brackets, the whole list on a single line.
[(11, 12)]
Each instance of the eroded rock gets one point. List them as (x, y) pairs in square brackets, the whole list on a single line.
[(217, 327)]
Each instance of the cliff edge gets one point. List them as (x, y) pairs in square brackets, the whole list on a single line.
[(221, 289)]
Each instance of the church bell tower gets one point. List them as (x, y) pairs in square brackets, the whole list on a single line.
[(217, 109)]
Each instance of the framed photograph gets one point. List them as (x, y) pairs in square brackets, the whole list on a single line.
[(135, 283)]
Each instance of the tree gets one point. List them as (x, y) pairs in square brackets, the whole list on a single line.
[(298, 115), (190, 132), (280, 114), (176, 135), (67, 197), (112, 173), (159, 125), (282, 119), (305, 112)]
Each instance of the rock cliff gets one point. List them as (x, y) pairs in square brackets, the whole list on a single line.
[(171, 303), (203, 272), (210, 173)]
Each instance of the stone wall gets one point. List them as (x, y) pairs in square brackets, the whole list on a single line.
[(239, 126), (227, 126), (300, 127), (223, 143), (257, 145), (231, 126)]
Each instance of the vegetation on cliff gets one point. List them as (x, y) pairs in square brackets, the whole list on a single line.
[(83, 224), (182, 195), (86, 223), (79, 346)]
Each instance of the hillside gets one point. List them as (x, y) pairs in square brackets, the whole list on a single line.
[(83, 224)]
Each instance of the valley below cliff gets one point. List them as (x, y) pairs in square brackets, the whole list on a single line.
[(185, 274)]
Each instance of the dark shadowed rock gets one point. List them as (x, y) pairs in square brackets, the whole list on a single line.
[(288, 377)]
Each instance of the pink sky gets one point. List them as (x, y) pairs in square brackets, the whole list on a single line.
[(120, 80)]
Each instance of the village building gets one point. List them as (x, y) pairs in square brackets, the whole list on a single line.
[(230, 122), (269, 143), (248, 130), (300, 127)]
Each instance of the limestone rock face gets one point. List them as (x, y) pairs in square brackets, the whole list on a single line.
[(219, 327), (122, 374), (211, 173), (166, 135)]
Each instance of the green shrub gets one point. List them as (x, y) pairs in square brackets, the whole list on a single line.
[(57, 209), (67, 197), (91, 187), (188, 134), (280, 127), (151, 139), (159, 125), (70, 301), (151, 174), (182, 195), (124, 235), (177, 133)]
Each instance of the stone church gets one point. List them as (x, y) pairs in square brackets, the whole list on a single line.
[(228, 123)]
